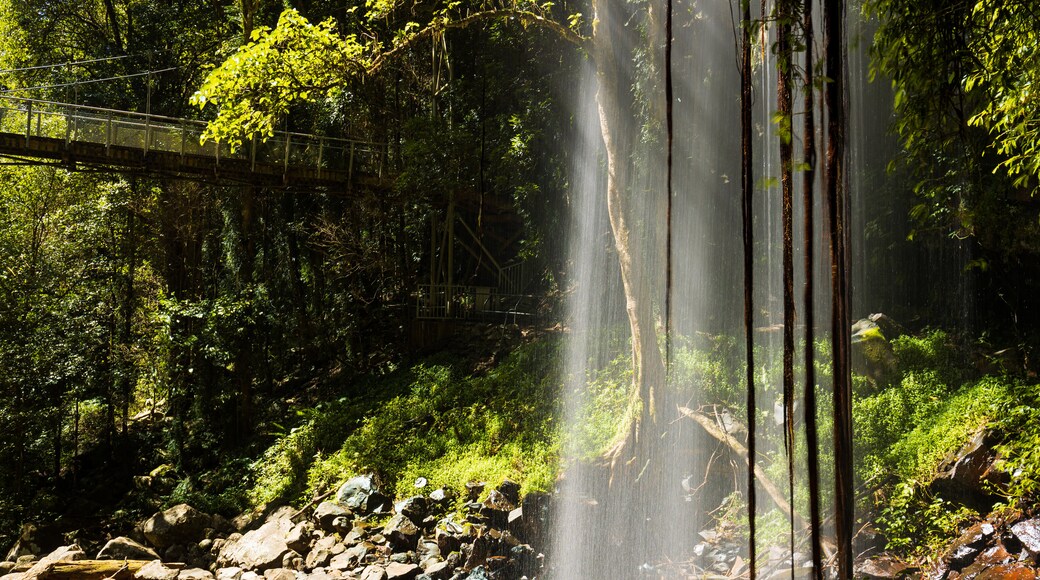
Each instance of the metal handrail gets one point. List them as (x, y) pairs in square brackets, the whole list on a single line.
[(146, 132), (178, 121)]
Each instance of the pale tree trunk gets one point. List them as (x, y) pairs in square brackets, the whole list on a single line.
[(647, 362)]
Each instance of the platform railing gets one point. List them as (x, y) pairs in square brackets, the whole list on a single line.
[(146, 132)]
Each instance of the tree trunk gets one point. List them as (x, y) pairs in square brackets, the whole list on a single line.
[(647, 363)]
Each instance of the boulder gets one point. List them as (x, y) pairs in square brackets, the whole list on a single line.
[(881, 568), (401, 571), (123, 548), (259, 549), (43, 567), (299, 538), (510, 490), (1028, 532), (155, 570), (967, 475), (321, 553), (414, 508), (373, 572), (439, 570), (401, 532), (326, 513), (279, 574), (474, 489), (195, 574), (964, 550), (361, 495), (179, 524), (872, 353), (231, 573)]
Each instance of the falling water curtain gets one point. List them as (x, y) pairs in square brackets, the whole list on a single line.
[(835, 203)]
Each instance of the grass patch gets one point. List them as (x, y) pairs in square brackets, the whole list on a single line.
[(431, 421)]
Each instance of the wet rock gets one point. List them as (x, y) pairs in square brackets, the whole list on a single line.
[(123, 548), (987, 560), (326, 514), (179, 524), (401, 532), (1028, 532), (882, 567), (155, 570), (966, 475), (259, 549), (964, 550)]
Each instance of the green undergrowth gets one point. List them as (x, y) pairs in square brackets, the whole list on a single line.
[(434, 420), (904, 432)]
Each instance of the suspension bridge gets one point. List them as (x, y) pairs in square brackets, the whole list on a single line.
[(79, 135)]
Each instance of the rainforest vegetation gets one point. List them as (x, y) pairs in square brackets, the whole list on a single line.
[(168, 338)]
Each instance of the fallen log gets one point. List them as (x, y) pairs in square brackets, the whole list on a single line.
[(712, 427), (97, 569)]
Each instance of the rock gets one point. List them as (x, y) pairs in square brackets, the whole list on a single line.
[(401, 571), (123, 548), (401, 532), (299, 538), (279, 574), (442, 495), (373, 572), (155, 570), (881, 567), (195, 574), (439, 570), (321, 553), (232, 573), (872, 353), (1028, 532), (6, 567), (34, 540), (510, 490), (964, 550), (965, 475), (496, 500), (179, 524), (43, 567), (326, 513), (259, 549), (356, 491), (414, 508), (474, 489)]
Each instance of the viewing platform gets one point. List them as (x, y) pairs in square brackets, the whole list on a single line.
[(79, 135)]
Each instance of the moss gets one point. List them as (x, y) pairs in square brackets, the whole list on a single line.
[(439, 424)]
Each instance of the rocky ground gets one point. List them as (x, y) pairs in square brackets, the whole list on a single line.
[(357, 533)]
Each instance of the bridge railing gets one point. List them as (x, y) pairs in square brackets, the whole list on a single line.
[(112, 128)]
